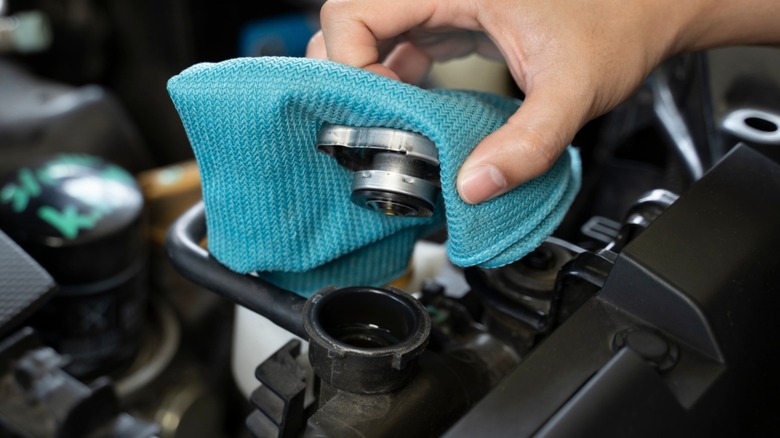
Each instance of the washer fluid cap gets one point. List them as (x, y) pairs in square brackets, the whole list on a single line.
[(74, 211)]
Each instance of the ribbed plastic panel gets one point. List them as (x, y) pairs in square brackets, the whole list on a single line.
[(24, 285)]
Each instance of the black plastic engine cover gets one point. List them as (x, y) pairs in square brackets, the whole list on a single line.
[(24, 285), (705, 276)]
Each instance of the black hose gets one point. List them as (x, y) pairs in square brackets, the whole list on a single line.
[(281, 306)]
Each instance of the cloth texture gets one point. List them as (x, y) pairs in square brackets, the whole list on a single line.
[(278, 207)]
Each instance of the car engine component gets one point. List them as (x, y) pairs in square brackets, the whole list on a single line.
[(82, 219), (614, 342)]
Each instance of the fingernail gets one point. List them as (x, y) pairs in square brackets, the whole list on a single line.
[(481, 184)]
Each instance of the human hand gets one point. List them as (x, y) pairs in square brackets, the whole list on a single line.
[(574, 60)]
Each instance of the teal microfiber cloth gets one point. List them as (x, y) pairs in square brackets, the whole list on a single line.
[(278, 207)]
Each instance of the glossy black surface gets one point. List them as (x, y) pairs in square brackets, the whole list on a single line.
[(77, 215)]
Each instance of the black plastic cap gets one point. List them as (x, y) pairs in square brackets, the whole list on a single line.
[(365, 340), (80, 217)]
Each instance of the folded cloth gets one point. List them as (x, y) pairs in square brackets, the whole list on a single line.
[(278, 207)]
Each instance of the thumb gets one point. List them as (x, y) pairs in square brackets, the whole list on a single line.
[(525, 147)]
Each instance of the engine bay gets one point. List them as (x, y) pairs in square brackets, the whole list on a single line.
[(651, 310)]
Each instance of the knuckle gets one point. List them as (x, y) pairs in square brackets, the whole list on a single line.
[(333, 9), (541, 148)]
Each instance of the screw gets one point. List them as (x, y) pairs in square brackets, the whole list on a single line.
[(650, 345)]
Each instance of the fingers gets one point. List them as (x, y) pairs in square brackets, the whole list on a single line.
[(446, 44), (409, 63), (360, 32), (411, 60), (316, 47), (353, 29), (371, 34), (524, 148)]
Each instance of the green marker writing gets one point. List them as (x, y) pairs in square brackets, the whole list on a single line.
[(19, 195), (68, 222)]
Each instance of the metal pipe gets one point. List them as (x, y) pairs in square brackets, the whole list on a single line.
[(674, 124), (281, 306)]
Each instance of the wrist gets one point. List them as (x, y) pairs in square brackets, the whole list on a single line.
[(716, 23)]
